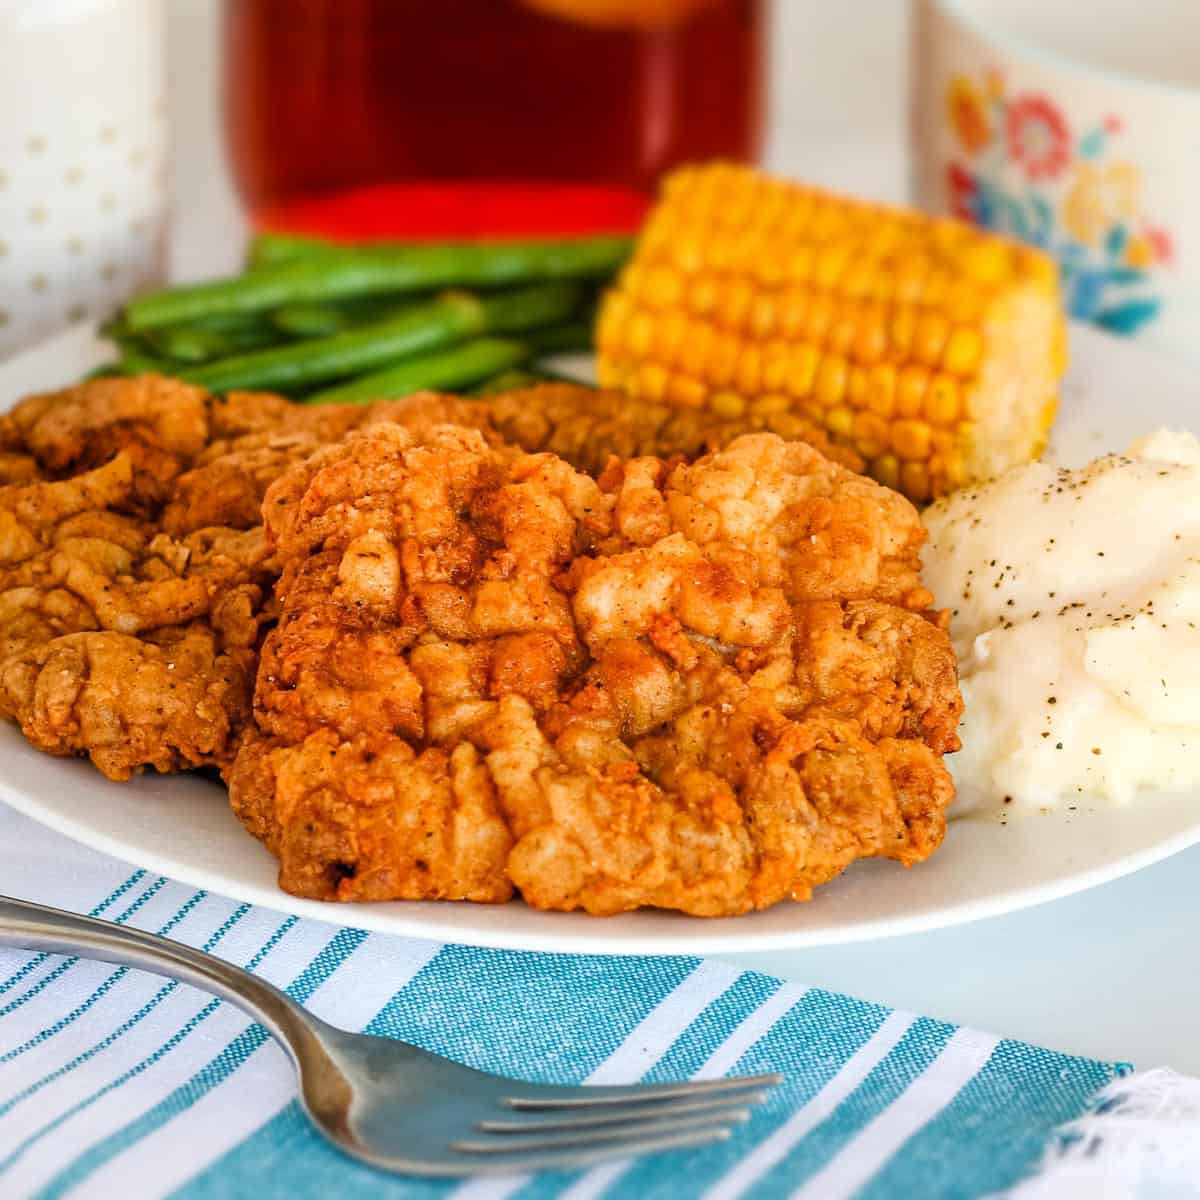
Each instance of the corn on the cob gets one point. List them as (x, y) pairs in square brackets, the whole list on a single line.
[(931, 348)]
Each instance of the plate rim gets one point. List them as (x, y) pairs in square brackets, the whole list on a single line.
[(389, 918)]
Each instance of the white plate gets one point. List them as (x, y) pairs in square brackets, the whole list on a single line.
[(181, 826)]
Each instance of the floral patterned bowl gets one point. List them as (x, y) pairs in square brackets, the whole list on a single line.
[(1073, 127)]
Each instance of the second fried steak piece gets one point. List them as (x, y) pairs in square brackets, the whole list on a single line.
[(130, 601), (489, 671), (117, 640)]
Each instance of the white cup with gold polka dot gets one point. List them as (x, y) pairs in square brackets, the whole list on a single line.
[(82, 160)]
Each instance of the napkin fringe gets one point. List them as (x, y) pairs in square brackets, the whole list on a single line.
[(1139, 1137)]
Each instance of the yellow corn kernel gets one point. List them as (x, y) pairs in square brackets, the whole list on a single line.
[(964, 302), (661, 288), (840, 420), (723, 360), (793, 312), (901, 331), (986, 261), (685, 392), (843, 329), (748, 376), (799, 264), (697, 348), (929, 338), (672, 330), (933, 294), (831, 380), (649, 382), (803, 370), (914, 482), (857, 386), (830, 263), (735, 300), (771, 404), (871, 434), (943, 401), (609, 374), (881, 389), (720, 251), (910, 390), (761, 320), (910, 280), (964, 351), (911, 440), (858, 279), (727, 404), (776, 357), (870, 339), (820, 314), (886, 468), (702, 295), (641, 334)]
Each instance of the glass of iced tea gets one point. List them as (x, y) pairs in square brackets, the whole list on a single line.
[(459, 118)]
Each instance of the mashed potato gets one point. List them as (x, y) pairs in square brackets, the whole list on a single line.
[(1076, 601)]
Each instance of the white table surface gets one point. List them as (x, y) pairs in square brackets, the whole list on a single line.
[(1112, 973)]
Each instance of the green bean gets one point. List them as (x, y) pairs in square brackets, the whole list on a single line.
[(310, 320), (368, 270), (451, 318), (455, 368), (267, 249), (136, 362), (323, 320), (197, 344)]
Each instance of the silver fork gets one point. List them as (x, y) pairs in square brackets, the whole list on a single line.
[(399, 1107)]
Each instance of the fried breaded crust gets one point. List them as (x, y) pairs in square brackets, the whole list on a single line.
[(706, 688)]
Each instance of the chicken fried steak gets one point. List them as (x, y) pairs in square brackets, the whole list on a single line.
[(706, 687)]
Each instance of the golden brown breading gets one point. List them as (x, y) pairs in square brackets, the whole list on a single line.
[(587, 426), (120, 638), (398, 555), (116, 639), (161, 425), (170, 698), (650, 692)]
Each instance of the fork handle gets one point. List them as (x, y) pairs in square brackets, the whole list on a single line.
[(26, 926)]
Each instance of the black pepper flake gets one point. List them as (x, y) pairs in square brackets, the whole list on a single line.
[(1051, 699), (1007, 799), (1058, 745)]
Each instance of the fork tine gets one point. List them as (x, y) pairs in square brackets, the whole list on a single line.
[(587, 1156), (619, 1114), (588, 1138), (585, 1097), (508, 1143)]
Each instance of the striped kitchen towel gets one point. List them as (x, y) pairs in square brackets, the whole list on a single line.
[(114, 1083)]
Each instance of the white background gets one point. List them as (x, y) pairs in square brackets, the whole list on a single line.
[(1112, 973)]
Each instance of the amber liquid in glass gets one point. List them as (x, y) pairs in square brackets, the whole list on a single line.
[(426, 118)]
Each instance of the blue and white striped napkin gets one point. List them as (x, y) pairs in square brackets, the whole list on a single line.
[(114, 1083)]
